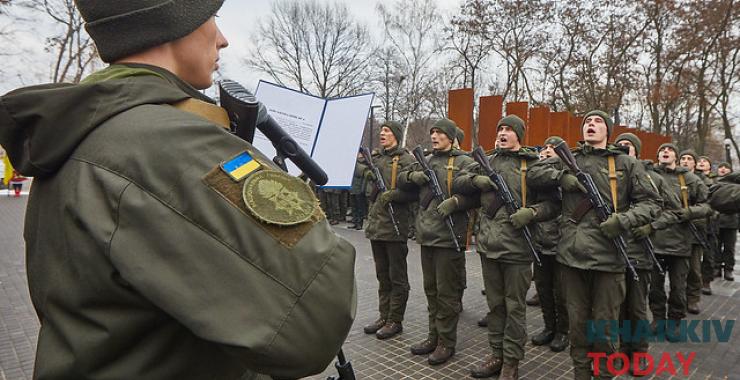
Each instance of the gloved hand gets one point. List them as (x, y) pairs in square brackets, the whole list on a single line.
[(387, 197), (447, 206), (642, 231), (570, 183), (522, 217), (484, 183), (419, 178), (611, 227), (683, 215)]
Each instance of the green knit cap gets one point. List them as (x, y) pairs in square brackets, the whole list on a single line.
[(396, 128), (725, 164), (691, 153), (668, 145), (553, 140), (447, 127), (706, 158), (605, 116), (460, 135), (631, 137), (515, 123), (122, 28)]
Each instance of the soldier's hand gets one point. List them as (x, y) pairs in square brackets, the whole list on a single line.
[(570, 183), (522, 217), (611, 227), (387, 197), (484, 183), (448, 206), (419, 178), (642, 231), (683, 215)]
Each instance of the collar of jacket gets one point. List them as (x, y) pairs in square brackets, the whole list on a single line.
[(395, 151), (731, 178), (610, 150), (451, 152), (523, 152), (665, 169)]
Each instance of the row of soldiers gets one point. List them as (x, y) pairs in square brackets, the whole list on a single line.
[(581, 277)]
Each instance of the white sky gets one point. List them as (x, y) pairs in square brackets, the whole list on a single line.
[(238, 20)]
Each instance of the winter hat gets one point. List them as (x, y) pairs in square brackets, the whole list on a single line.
[(515, 123), (122, 28), (631, 137), (668, 145), (603, 115), (460, 135), (725, 164), (396, 128), (553, 140), (447, 127), (691, 153), (706, 158)]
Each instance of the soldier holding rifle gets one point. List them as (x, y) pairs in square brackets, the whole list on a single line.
[(593, 262), (388, 228), (441, 226), (504, 242)]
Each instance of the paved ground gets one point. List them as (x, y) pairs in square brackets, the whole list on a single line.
[(372, 359)]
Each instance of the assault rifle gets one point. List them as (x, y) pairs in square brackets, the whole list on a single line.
[(603, 210), (380, 184), (436, 190), (505, 196)]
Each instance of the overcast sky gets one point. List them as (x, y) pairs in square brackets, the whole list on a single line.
[(237, 19)]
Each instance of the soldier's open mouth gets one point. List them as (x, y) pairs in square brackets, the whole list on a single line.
[(590, 131)]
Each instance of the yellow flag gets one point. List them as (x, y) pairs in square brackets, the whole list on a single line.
[(8, 170)]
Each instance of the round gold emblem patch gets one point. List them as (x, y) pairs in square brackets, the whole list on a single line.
[(278, 198)]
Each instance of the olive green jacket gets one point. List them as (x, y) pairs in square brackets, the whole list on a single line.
[(497, 238), (143, 262), (582, 244), (431, 229), (379, 225), (672, 237), (725, 195)]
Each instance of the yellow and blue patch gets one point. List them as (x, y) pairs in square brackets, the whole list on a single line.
[(240, 166)]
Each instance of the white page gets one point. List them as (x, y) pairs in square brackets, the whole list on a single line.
[(297, 113), (340, 136)]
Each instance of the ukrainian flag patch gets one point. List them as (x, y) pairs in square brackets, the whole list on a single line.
[(240, 166)]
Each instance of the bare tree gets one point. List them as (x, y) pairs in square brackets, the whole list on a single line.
[(74, 52), (318, 48)]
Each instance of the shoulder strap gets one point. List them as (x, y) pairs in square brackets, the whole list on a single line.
[(613, 180), (450, 162), (684, 190), (208, 111), (394, 171), (523, 171)]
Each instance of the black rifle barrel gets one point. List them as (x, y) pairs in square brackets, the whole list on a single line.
[(380, 184), (603, 210), (436, 191), (505, 196)]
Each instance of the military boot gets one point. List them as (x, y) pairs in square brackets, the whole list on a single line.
[(693, 308), (441, 355), (534, 301), (543, 338), (425, 347), (390, 330), (706, 288), (490, 367), (483, 322), (559, 343), (375, 326), (510, 371), (729, 276), (673, 331)]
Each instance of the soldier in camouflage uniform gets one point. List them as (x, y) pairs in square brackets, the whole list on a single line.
[(728, 228), (725, 196), (505, 256), (700, 266), (389, 248), (442, 265), (635, 306), (547, 276), (593, 271), (672, 238)]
